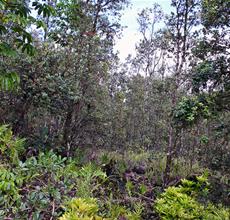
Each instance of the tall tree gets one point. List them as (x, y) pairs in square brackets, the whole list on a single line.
[(179, 26), (149, 61), (210, 75), (86, 32)]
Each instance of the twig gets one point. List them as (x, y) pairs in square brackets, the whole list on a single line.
[(52, 211), (4, 165), (175, 182), (215, 213), (5, 9), (41, 181), (149, 199)]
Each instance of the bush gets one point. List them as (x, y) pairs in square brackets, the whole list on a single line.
[(82, 209), (10, 146), (181, 202)]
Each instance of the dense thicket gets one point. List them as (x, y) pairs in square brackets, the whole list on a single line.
[(64, 87), (73, 94)]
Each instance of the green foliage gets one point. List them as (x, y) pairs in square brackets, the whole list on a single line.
[(80, 208), (48, 170), (8, 78), (210, 73), (86, 184), (47, 163), (181, 202), (129, 158), (181, 167), (115, 210), (143, 188), (191, 109), (76, 98), (10, 183), (17, 14), (215, 13), (10, 146)]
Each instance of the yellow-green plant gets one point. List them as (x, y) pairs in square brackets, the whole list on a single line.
[(181, 202), (82, 209), (10, 146), (9, 187)]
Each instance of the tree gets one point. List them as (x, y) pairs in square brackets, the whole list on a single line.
[(151, 49), (63, 96), (210, 75), (211, 72), (86, 39), (179, 27), (15, 18)]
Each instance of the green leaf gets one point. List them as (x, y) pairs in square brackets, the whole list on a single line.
[(41, 24), (35, 215), (3, 83), (6, 83), (143, 188), (44, 133), (2, 29), (41, 195), (9, 186), (1, 212), (128, 184), (40, 10)]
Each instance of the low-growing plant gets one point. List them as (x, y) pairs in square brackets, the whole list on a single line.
[(128, 188), (48, 164), (180, 166), (160, 164), (182, 202), (130, 158), (9, 187), (53, 182), (81, 209), (10, 146), (143, 188), (115, 210), (86, 175)]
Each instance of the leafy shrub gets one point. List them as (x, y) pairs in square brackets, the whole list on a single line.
[(84, 209), (10, 146), (14, 182), (181, 202), (9, 183), (87, 180), (87, 209)]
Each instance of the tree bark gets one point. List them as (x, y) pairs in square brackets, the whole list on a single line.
[(182, 27), (67, 130)]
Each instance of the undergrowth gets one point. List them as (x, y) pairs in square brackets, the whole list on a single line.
[(182, 202), (111, 185)]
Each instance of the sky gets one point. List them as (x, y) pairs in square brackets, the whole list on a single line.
[(126, 45)]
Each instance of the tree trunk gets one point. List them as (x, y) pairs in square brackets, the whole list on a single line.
[(67, 130), (182, 24)]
